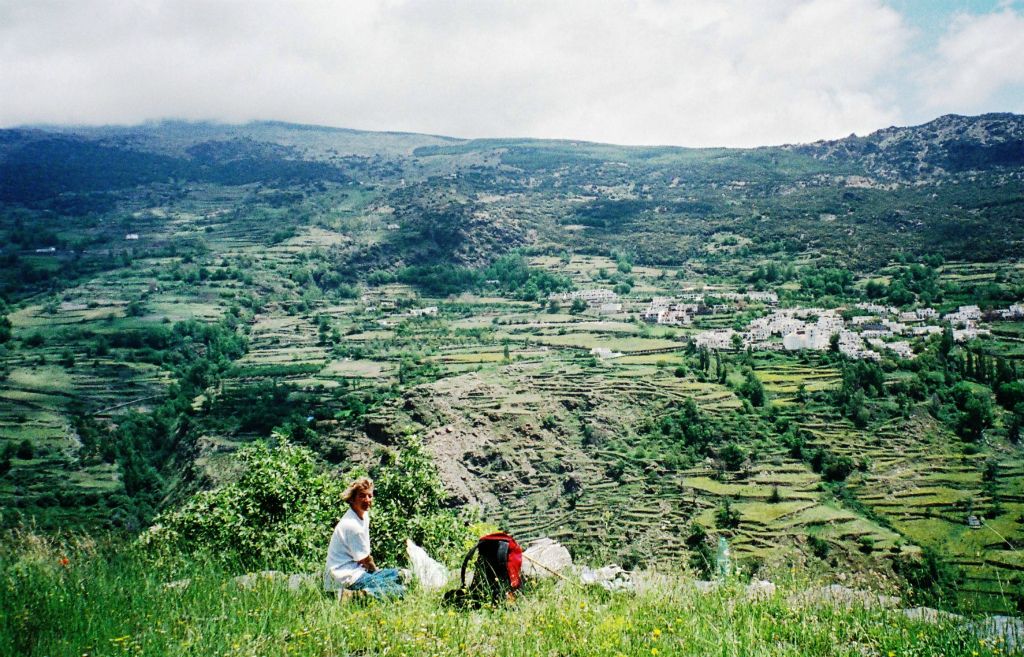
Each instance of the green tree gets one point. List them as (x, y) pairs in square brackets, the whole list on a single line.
[(726, 517), (281, 509), (974, 411), (752, 389)]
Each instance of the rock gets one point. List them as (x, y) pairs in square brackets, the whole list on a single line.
[(705, 586), (545, 558), (294, 583), (298, 582), (611, 578), (760, 589), (252, 580), (178, 585), (929, 615), (843, 596), (1005, 630)]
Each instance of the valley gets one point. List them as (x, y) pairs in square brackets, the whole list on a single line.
[(811, 350)]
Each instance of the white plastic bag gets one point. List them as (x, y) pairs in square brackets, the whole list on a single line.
[(429, 573)]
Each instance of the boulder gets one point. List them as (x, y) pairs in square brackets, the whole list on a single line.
[(929, 615), (178, 585), (545, 558), (610, 578), (705, 586), (760, 589), (843, 596), (252, 580)]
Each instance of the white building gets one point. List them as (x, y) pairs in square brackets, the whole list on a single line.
[(1015, 311), (969, 333), (963, 316), (852, 346), (895, 327), (902, 349), (604, 353), (716, 339), (593, 297), (830, 322), (654, 315), (812, 338), (877, 309), (663, 311), (770, 298)]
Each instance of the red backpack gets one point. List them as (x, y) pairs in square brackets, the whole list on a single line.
[(498, 566)]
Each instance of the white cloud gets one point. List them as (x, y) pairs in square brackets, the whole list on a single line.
[(695, 73), (979, 57)]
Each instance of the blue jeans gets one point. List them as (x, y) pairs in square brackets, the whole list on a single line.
[(381, 584)]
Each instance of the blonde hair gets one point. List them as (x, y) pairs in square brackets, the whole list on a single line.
[(360, 484)]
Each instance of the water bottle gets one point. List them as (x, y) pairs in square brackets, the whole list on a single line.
[(723, 561)]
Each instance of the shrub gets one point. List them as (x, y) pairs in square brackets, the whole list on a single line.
[(732, 456), (35, 340), (410, 504), (832, 468), (819, 546), (932, 579), (25, 450), (280, 512), (726, 517), (701, 554)]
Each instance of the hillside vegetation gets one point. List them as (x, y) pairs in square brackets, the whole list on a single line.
[(175, 292)]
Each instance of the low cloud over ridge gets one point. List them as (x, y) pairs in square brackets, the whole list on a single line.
[(699, 73)]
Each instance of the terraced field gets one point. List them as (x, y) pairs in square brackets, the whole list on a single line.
[(527, 440), (522, 420)]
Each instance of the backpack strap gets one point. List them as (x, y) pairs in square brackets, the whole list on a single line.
[(503, 558), (465, 562)]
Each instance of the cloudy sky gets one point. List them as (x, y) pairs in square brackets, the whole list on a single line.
[(685, 72)]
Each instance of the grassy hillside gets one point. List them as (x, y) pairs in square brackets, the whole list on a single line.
[(77, 598)]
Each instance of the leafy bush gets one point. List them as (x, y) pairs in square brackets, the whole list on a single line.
[(819, 546), (280, 512), (732, 456), (727, 517), (408, 503), (752, 389), (277, 514), (932, 579), (832, 468), (25, 450), (974, 411)]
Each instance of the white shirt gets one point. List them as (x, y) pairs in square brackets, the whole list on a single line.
[(350, 543)]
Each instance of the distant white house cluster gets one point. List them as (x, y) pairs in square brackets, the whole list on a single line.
[(864, 336), (604, 301), (667, 311)]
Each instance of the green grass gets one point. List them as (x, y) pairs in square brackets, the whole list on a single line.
[(105, 601)]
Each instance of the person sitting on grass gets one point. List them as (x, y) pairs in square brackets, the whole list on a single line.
[(350, 564)]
